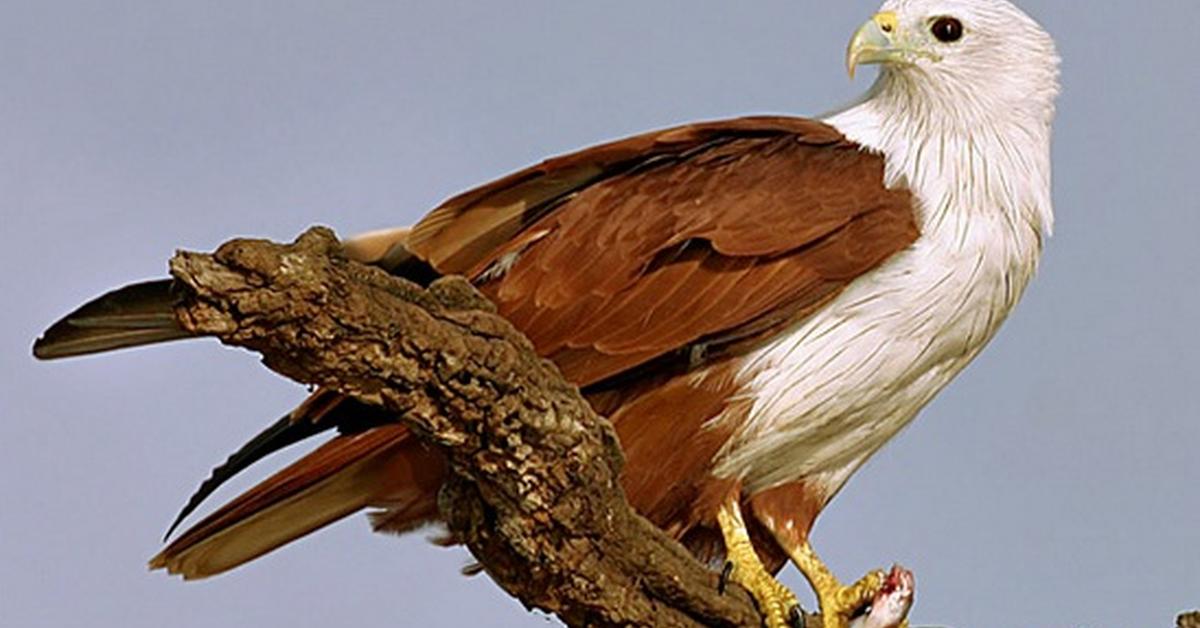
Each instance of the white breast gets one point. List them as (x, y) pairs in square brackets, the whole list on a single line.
[(831, 391)]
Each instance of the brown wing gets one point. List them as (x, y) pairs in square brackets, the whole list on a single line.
[(666, 245), (674, 242)]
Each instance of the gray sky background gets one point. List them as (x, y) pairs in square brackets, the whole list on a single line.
[(1054, 484)]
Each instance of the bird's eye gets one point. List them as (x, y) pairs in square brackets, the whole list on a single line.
[(947, 29)]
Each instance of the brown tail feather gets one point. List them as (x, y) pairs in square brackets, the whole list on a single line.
[(385, 467)]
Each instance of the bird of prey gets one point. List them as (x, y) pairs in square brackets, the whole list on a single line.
[(758, 304)]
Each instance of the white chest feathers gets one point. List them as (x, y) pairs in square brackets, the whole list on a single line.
[(829, 392)]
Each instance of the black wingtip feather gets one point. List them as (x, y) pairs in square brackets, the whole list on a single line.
[(135, 315), (281, 434), (347, 416)]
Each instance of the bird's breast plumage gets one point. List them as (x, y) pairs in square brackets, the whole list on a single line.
[(831, 390)]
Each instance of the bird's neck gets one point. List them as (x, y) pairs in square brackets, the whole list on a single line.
[(966, 159)]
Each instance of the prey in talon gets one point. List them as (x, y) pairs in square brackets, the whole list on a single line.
[(889, 608)]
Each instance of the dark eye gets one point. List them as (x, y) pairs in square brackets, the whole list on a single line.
[(947, 29)]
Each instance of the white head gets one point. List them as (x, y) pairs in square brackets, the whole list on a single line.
[(973, 60), (962, 107)]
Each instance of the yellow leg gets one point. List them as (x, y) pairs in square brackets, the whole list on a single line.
[(775, 601), (840, 604)]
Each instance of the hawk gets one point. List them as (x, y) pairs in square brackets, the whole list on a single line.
[(758, 304)]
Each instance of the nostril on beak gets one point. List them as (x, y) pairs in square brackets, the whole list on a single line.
[(887, 21)]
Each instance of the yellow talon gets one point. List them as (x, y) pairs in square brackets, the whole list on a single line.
[(841, 604), (777, 604)]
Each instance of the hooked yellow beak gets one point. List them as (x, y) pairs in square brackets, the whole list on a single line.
[(875, 42)]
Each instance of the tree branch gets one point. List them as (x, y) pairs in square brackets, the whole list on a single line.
[(533, 488)]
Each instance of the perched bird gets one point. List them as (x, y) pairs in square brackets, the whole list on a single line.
[(757, 304)]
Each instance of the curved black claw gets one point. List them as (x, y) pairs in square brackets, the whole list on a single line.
[(796, 617), (726, 573)]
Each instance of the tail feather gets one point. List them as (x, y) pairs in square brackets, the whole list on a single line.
[(384, 467), (138, 314), (281, 434), (324, 410)]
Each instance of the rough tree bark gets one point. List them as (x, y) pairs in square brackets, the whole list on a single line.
[(533, 489)]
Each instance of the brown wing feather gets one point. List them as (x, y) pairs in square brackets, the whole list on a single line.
[(499, 210), (692, 246)]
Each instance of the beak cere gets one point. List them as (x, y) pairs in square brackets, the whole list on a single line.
[(874, 42), (887, 21)]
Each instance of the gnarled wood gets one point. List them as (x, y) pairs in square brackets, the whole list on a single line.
[(533, 489)]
